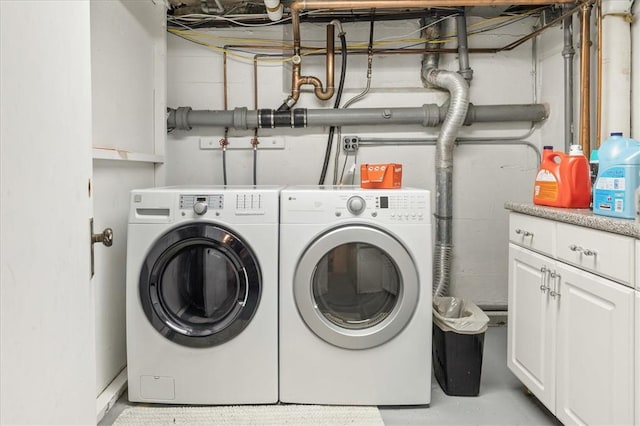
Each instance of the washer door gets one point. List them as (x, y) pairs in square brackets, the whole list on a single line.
[(356, 287), (200, 285)]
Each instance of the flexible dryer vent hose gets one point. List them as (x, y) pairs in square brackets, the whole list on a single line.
[(458, 106)]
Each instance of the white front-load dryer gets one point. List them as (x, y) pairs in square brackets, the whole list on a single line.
[(202, 286), (355, 296)]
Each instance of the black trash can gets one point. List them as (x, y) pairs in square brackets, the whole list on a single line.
[(458, 342)]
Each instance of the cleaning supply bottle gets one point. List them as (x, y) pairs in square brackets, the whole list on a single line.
[(618, 177), (563, 180)]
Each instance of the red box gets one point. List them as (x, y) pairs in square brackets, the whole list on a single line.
[(381, 176)]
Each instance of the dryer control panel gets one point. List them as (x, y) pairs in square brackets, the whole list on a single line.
[(323, 205)]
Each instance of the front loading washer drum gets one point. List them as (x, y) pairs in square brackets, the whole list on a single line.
[(200, 285), (356, 286)]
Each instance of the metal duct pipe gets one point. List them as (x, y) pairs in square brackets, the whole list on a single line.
[(429, 115), (463, 47), (567, 53), (458, 105)]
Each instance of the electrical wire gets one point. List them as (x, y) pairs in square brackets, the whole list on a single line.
[(336, 105)]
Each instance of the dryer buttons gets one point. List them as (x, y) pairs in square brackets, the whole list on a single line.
[(356, 205)]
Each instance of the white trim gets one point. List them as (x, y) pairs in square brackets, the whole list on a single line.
[(107, 399), (117, 154)]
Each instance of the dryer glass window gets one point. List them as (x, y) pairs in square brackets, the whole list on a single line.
[(200, 286), (356, 285)]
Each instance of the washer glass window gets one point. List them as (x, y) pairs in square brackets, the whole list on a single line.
[(356, 285), (200, 285)]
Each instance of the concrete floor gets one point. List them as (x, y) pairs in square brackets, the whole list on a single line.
[(502, 399)]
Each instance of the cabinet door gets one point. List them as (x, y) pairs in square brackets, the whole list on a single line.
[(595, 349), (532, 323)]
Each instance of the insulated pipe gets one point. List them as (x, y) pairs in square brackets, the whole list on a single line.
[(429, 115), (616, 68), (463, 47), (458, 105), (585, 78), (274, 9), (204, 5), (567, 53)]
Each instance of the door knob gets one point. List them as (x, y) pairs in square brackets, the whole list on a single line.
[(105, 237)]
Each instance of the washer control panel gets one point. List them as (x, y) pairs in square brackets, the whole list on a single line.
[(201, 203)]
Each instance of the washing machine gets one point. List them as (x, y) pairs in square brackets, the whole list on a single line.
[(355, 296), (202, 295)]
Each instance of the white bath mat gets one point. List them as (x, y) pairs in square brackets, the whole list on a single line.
[(316, 415)]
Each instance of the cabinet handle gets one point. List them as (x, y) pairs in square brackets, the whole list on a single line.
[(585, 251), (524, 233), (543, 279), (556, 284)]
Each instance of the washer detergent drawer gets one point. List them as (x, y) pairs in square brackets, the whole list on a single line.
[(532, 233), (606, 254)]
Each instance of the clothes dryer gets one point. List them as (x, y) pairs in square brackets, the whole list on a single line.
[(355, 296), (202, 295)]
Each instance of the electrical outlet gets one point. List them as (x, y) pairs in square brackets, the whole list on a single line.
[(350, 143), (241, 142)]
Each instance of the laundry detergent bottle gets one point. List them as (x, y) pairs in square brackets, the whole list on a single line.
[(563, 180), (618, 177)]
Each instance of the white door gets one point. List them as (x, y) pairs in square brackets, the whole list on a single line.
[(595, 350), (47, 352), (532, 323), (128, 87)]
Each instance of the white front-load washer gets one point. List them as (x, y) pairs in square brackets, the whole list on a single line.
[(202, 286), (355, 296)]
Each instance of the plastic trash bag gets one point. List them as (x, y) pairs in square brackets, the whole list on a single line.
[(458, 315)]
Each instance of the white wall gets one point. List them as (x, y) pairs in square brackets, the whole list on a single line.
[(485, 176)]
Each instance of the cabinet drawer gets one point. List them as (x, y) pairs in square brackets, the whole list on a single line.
[(532, 232), (605, 254)]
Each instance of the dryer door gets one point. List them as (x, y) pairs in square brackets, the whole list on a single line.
[(356, 286), (200, 285)]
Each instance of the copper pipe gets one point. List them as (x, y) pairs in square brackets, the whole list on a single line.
[(585, 98), (297, 80), (598, 137), (518, 42), (299, 5)]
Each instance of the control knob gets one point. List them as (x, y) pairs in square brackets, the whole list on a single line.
[(200, 207), (356, 205)]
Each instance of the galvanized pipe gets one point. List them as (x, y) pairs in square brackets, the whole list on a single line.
[(567, 53), (463, 47), (429, 115), (585, 78)]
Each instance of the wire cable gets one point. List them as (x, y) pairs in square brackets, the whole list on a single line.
[(336, 105)]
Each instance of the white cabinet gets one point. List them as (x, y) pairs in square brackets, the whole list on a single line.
[(571, 332)]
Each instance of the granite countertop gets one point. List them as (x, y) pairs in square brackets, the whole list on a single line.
[(580, 217)]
